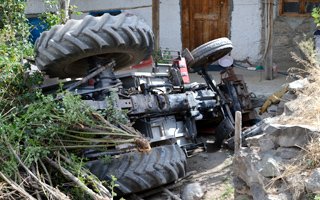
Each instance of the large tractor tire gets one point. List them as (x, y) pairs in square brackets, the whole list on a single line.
[(66, 51), (136, 171), (208, 53)]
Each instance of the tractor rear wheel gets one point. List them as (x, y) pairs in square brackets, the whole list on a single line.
[(66, 51), (137, 171)]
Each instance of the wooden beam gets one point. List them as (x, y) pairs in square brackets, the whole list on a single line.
[(268, 61), (118, 8), (155, 23), (237, 133), (64, 7)]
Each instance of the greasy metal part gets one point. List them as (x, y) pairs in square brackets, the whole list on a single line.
[(187, 54), (223, 102), (100, 69), (224, 130), (157, 104), (236, 91)]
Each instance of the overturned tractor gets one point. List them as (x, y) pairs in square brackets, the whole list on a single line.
[(168, 109)]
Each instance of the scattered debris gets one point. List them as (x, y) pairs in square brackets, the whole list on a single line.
[(192, 191), (313, 181), (269, 168)]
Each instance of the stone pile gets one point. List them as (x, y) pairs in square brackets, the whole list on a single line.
[(259, 169)]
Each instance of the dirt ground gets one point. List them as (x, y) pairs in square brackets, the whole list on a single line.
[(213, 172), (213, 169)]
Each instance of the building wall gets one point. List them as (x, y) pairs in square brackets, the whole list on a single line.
[(245, 24), (170, 19), (248, 33), (246, 28)]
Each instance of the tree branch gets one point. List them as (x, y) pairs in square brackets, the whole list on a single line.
[(70, 176), (16, 187)]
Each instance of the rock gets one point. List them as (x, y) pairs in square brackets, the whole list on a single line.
[(243, 197), (245, 169), (283, 107), (192, 191), (253, 141), (281, 196), (272, 110), (240, 186), (288, 109), (270, 168), (266, 144), (298, 84), (258, 192), (289, 96), (287, 153), (313, 182), (289, 135), (280, 108)]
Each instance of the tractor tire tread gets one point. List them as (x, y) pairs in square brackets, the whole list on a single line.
[(142, 171), (125, 38)]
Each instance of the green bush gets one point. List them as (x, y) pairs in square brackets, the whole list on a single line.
[(316, 16)]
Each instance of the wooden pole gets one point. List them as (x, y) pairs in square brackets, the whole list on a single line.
[(155, 23), (237, 132), (269, 52), (64, 7)]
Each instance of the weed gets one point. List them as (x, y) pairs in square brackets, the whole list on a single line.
[(106, 159), (312, 196), (112, 186), (228, 192), (113, 113)]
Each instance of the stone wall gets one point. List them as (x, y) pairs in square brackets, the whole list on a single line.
[(288, 32)]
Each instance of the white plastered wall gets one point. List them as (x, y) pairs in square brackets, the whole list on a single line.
[(246, 22), (246, 27), (170, 18)]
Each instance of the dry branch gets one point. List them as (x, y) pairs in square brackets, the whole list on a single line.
[(103, 190), (71, 177), (16, 187), (54, 192)]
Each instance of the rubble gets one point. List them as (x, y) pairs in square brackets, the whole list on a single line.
[(192, 191), (270, 168), (257, 168), (313, 182), (298, 84)]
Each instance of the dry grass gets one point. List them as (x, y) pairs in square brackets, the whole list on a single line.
[(306, 108), (7, 192), (311, 158), (300, 167), (305, 111)]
